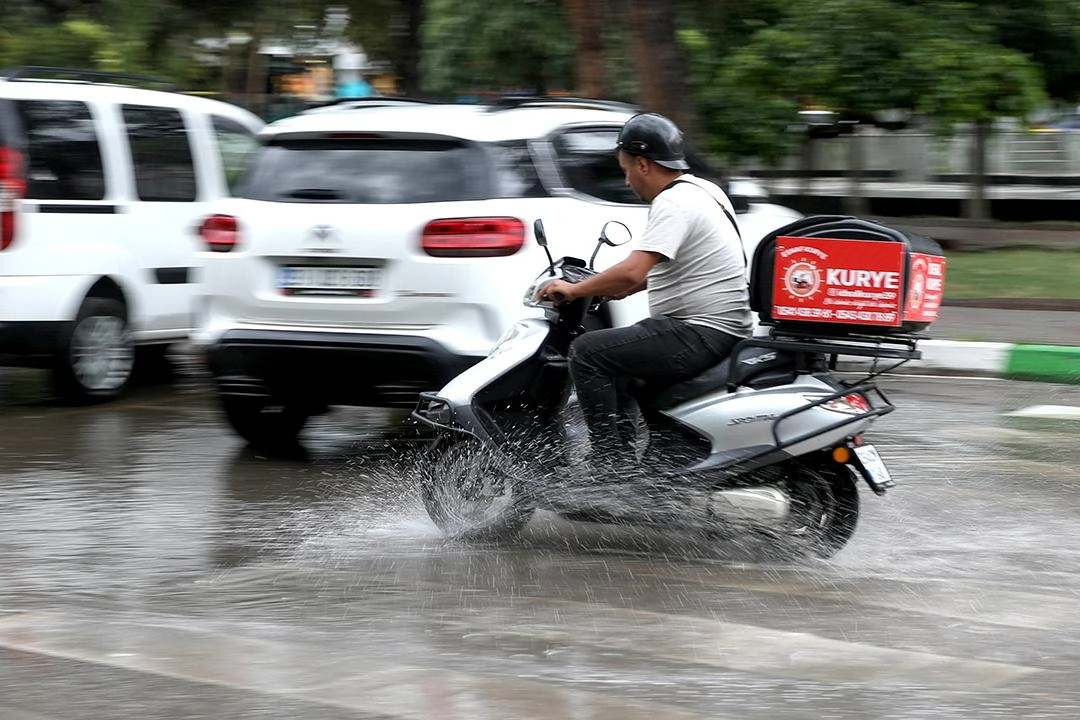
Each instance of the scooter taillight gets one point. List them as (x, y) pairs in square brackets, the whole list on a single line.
[(851, 404), (858, 402)]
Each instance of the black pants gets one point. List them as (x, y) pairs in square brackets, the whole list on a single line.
[(603, 362)]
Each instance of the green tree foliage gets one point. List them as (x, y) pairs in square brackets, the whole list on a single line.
[(74, 43), (961, 79), (752, 62), (741, 119), (849, 55), (963, 76), (132, 36), (472, 45), (863, 57), (1046, 31), (730, 24)]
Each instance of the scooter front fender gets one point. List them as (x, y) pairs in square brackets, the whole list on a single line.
[(520, 343)]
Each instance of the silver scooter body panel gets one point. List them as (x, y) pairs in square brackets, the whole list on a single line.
[(731, 420), (517, 346), (751, 417)]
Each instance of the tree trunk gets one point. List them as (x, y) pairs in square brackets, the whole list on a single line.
[(591, 72), (806, 162), (977, 206), (855, 203), (255, 82), (410, 48), (661, 66)]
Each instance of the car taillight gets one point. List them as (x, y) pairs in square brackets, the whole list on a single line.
[(221, 233), (473, 237), (12, 189)]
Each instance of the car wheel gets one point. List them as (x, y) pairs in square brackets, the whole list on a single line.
[(264, 423), (95, 358)]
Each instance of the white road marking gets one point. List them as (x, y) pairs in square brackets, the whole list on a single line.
[(756, 649), (942, 598), (1048, 412), (760, 650), (310, 673)]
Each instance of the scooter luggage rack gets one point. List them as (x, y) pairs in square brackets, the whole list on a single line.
[(898, 347), (865, 388)]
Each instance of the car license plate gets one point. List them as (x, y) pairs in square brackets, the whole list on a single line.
[(873, 467), (309, 280)]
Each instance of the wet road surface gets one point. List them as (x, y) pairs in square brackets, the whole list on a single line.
[(152, 567)]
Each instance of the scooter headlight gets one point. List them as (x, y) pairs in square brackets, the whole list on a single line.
[(438, 412), (508, 338)]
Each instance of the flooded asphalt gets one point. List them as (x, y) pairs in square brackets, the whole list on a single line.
[(151, 566)]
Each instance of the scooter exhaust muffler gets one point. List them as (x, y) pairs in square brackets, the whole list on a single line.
[(763, 507)]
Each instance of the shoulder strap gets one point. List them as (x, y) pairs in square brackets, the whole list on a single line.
[(677, 181), (680, 181)]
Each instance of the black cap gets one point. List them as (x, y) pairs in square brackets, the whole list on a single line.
[(653, 136)]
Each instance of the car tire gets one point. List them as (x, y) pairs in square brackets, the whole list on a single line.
[(265, 424), (95, 358)]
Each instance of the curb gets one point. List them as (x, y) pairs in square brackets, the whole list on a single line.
[(1056, 363), (1045, 363)]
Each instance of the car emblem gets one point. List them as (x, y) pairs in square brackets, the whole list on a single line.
[(323, 239)]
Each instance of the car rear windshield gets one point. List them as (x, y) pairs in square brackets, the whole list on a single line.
[(369, 171)]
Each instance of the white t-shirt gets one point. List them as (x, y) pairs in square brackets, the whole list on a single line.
[(703, 281)]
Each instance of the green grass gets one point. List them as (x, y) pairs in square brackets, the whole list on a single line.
[(1013, 273)]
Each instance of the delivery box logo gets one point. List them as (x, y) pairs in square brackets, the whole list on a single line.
[(803, 279), (838, 281)]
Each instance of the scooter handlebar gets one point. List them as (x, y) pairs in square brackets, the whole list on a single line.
[(569, 272)]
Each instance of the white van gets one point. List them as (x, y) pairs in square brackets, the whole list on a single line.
[(103, 184)]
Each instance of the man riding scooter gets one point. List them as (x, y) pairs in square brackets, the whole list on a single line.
[(690, 259)]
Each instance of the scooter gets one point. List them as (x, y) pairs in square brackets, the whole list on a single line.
[(768, 442)]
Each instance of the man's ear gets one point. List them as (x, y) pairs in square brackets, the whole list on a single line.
[(643, 164)]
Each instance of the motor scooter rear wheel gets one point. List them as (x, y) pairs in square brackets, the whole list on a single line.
[(824, 507), (468, 496)]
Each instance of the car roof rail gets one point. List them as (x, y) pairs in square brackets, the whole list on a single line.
[(66, 74), (508, 102), (356, 103)]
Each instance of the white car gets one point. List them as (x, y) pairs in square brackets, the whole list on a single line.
[(376, 249), (102, 188)]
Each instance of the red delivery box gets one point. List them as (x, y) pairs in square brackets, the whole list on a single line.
[(839, 274)]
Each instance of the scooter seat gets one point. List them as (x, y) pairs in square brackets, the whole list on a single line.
[(758, 368)]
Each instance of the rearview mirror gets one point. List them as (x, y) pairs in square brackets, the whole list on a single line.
[(538, 231), (614, 233)]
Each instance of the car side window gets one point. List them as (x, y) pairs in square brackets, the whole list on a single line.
[(63, 151), (515, 172), (161, 153), (235, 143), (587, 162)]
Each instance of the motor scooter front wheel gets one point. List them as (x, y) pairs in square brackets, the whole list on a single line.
[(468, 496)]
